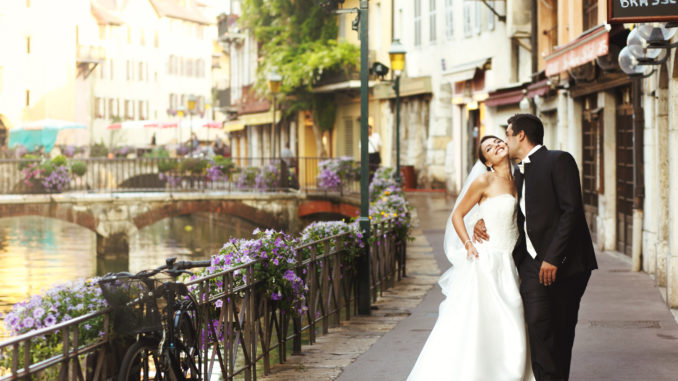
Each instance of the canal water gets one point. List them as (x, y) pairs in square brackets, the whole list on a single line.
[(38, 252)]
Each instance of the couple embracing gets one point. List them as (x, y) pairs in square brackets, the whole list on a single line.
[(513, 292)]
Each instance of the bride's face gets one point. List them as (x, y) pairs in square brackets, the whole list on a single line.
[(494, 151)]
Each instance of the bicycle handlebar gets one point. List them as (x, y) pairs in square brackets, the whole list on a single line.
[(171, 267)]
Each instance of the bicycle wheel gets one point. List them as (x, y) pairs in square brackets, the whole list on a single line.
[(142, 362), (186, 354)]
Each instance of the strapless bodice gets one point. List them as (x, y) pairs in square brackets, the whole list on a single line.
[(499, 214)]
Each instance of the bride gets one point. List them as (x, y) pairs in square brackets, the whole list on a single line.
[(480, 333)]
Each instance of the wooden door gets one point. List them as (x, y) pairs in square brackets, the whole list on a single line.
[(592, 163), (624, 127)]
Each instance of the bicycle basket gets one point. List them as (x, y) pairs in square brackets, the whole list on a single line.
[(136, 307)]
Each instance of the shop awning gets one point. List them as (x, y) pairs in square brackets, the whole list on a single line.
[(234, 125), (408, 87), (466, 71), (589, 45), (259, 118), (514, 94)]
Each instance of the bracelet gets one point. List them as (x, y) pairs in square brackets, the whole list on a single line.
[(467, 241)]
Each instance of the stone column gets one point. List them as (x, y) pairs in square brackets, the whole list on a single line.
[(607, 202), (650, 155), (574, 131), (563, 97), (672, 268)]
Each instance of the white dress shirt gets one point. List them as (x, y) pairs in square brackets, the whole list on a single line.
[(530, 247)]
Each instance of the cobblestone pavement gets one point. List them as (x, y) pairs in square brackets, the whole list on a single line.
[(326, 359)]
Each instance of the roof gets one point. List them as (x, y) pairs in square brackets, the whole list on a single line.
[(105, 15), (172, 9)]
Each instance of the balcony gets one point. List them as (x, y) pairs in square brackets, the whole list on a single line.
[(88, 57)]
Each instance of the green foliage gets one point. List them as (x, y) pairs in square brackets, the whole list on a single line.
[(78, 168), (225, 163), (59, 160), (325, 109), (167, 165), (299, 40), (194, 166), (157, 152), (98, 150)]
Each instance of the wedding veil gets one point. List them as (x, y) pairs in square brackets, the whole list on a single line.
[(452, 242)]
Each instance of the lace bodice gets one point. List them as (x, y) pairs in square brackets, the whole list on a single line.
[(499, 214)]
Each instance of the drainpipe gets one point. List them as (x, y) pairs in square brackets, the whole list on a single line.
[(533, 40), (638, 185)]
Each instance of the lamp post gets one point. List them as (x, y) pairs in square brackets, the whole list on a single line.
[(274, 81), (397, 56)]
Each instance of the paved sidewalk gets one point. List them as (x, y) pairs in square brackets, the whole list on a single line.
[(625, 332)]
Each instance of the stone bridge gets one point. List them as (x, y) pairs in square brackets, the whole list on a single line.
[(114, 217)]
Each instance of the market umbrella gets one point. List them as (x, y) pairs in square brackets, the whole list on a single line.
[(47, 133)]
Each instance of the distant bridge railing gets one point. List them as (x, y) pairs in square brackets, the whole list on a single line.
[(257, 332), (240, 174)]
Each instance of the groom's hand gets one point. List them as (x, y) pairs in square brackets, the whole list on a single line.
[(480, 232), (547, 274)]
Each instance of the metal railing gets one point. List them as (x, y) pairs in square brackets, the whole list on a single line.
[(174, 175), (255, 330)]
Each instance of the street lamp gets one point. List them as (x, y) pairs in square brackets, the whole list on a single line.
[(274, 81), (397, 56)]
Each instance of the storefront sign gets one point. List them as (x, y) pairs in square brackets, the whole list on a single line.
[(578, 52), (642, 10)]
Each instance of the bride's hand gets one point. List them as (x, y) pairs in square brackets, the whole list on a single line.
[(471, 252)]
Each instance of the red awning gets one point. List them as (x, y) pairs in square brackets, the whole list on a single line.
[(540, 88), (504, 97), (589, 45)]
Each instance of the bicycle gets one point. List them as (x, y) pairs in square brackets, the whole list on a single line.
[(164, 317)]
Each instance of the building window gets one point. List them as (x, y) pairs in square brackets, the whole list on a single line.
[(590, 18), (102, 70), (28, 44), (432, 20), (156, 40), (111, 65), (142, 38), (129, 34), (102, 32), (28, 98), (490, 14), (112, 109), (28, 3), (449, 19), (142, 110), (417, 22), (141, 71), (468, 22), (98, 108), (129, 109), (189, 67)]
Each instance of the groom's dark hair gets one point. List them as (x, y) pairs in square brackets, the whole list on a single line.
[(530, 124)]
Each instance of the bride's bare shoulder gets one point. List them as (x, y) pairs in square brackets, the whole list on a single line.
[(483, 180)]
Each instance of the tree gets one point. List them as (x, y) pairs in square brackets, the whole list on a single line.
[(298, 38)]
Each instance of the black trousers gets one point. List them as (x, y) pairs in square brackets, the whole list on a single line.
[(551, 315)]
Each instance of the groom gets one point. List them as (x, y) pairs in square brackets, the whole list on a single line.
[(556, 256)]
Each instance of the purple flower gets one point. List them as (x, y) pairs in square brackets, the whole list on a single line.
[(276, 295), (28, 322), (50, 320)]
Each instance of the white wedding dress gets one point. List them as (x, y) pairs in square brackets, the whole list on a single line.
[(480, 333)]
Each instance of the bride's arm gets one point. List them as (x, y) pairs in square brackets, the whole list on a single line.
[(471, 198)]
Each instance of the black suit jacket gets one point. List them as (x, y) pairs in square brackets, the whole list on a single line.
[(555, 214)]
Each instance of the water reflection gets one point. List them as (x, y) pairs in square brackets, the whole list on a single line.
[(37, 252)]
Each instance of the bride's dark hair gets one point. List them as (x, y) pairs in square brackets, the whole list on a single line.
[(481, 156)]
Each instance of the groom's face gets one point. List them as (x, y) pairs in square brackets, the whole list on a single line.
[(512, 142)]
